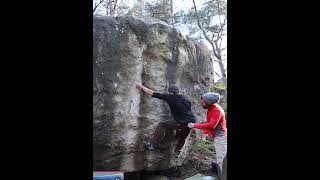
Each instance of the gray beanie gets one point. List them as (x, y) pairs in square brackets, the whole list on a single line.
[(173, 88), (211, 98)]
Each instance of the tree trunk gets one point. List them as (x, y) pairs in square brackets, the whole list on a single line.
[(223, 72), (113, 7), (215, 48), (222, 69)]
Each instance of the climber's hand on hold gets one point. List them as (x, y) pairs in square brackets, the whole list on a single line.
[(191, 125), (139, 86), (145, 89)]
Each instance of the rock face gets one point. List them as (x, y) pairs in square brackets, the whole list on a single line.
[(129, 50)]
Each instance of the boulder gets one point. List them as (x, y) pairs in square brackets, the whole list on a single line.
[(129, 50)]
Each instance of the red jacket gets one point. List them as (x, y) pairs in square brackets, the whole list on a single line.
[(216, 122)]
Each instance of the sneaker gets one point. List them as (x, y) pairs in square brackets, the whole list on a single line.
[(148, 145), (178, 154)]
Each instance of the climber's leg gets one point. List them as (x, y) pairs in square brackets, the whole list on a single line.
[(161, 130), (182, 134)]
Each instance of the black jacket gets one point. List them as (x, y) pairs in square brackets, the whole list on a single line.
[(180, 107)]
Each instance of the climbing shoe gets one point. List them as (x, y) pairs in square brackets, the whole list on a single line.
[(178, 154), (148, 145)]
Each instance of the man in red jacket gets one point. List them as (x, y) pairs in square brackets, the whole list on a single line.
[(215, 125)]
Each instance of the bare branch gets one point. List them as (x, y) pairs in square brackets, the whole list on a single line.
[(114, 8), (115, 4), (217, 74), (220, 33), (220, 43), (219, 13), (96, 6), (223, 24), (204, 33), (218, 49), (212, 36)]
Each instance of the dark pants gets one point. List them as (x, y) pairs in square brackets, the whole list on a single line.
[(166, 128)]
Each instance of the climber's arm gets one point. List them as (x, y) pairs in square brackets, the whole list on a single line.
[(213, 122), (154, 94), (146, 90)]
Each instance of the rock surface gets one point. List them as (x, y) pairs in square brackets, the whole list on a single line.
[(129, 50)]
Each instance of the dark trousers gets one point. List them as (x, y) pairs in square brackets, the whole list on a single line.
[(164, 129)]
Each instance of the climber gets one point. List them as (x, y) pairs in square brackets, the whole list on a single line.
[(180, 108), (215, 125)]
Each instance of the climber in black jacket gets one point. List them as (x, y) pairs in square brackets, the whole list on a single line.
[(181, 111)]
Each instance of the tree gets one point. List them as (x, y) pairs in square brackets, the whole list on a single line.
[(162, 9), (213, 32), (137, 9), (110, 7), (209, 22), (96, 4)]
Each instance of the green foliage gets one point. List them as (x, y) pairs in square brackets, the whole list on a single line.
[(219, 86), (206, 145), (161, 10), (208, 15)]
